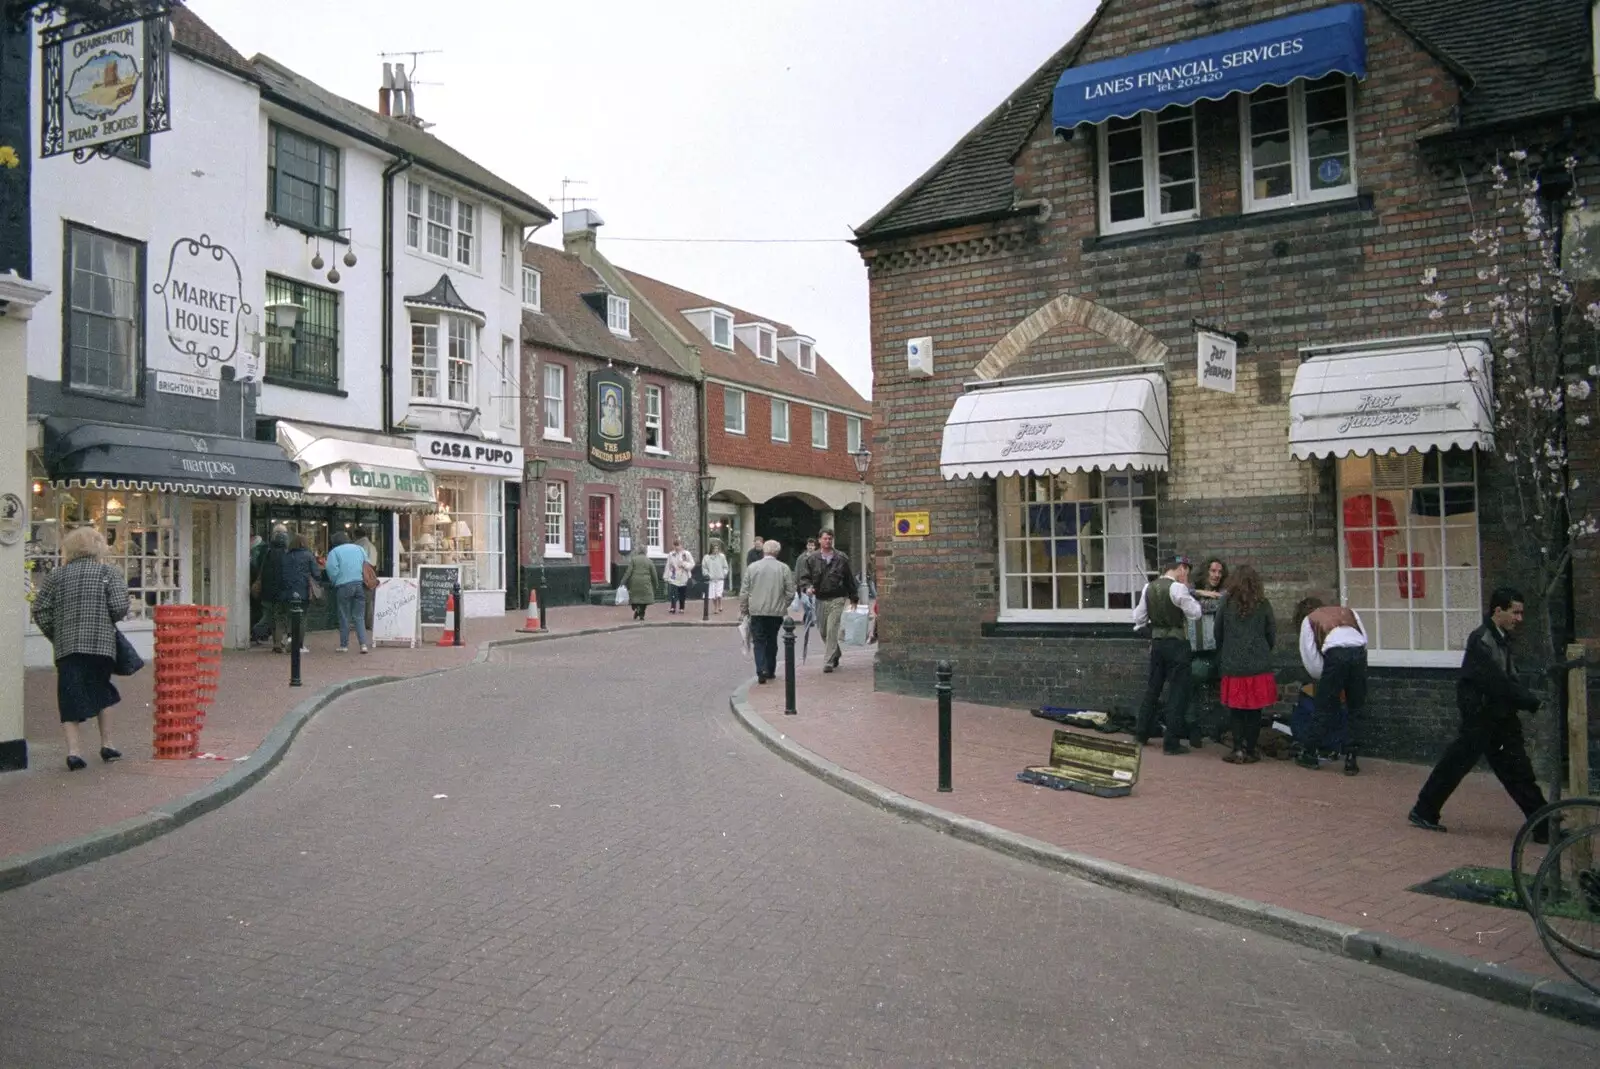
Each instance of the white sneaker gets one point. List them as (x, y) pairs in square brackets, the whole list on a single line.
[(344, 649), (305, 649), (363, 649)]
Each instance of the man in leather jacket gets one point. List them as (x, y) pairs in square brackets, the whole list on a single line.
[(828, 574)]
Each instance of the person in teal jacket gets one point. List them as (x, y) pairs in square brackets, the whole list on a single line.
[(345, 561)]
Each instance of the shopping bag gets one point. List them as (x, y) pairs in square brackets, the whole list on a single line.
[(853, 627), (622, 595), (744, 633)]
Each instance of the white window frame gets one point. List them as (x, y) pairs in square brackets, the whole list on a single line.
[(806, 358), (852, 434), (617, 317), (122, 324), (722, 331), (1086, 615), (728, 394), (554, 402), (438, 218), (780, 405), (767, 345), (1149, 126), (1404, 540), (532, 275), (1299, 155), (416, 194), (466, 251), (425, 359), (508, 381), (656, 418), (815, 444), (655, 521), (555, 519), (508, 259), (461, 358)]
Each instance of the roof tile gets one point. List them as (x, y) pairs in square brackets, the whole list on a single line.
[(567, 323)]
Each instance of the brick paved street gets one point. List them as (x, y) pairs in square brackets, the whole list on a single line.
[(618, 874)]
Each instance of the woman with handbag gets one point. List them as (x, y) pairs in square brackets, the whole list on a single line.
[(1246, 633), (77, 608), (679, 572), (291, 568)]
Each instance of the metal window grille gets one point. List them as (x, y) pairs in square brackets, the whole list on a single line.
[(314, 358)]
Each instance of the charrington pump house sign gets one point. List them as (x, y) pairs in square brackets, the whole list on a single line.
[(106, 82)]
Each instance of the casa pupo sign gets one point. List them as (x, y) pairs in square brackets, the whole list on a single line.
[(203, 297), (104, 84), (610, 419), (471, 455)]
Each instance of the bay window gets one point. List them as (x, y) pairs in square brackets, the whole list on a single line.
[(455, 338), (1297, 143), (1148, 171)]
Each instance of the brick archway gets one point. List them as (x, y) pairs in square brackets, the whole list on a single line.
[(1144, 347)]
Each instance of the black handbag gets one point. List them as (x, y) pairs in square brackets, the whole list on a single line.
[(128, 660)]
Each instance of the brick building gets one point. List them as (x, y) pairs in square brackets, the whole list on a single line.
[(582, 349), (1266, 182)]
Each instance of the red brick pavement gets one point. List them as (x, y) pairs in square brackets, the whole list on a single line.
[(1317, 842), (45, 804)]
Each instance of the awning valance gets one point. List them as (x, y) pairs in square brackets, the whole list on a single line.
[(342, 471), (1087, 425), (1308, 45), (1433, 395), (119, 456)]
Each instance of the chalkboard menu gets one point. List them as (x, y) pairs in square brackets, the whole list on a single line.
[(433, 586), (580, 536)]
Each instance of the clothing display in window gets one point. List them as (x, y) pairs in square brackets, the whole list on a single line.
[(1363, 545), (1125, 563)]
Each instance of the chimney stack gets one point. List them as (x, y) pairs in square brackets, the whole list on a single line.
[(580, 227), (384, 90)]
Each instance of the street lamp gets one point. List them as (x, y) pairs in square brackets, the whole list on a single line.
[(708, 483), (533, 482), (863, 459)]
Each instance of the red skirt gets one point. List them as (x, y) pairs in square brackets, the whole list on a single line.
[(1249, 692)]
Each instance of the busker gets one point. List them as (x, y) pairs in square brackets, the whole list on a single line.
[(829, 576), (1488, 696), (1333, 648), (1164, 605), (764, 597)]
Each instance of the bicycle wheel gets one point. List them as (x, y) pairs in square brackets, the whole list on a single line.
[(1523, 867), (1566, 905)]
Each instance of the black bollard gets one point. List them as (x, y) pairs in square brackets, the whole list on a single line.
[(705, 602), (297, 635), (788, 666), (544, 623), (455, 592), (942, 688)]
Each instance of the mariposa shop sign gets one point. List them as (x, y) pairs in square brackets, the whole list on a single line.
[(104, 84), (462, 454)]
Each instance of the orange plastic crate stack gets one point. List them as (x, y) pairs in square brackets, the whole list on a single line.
[(188, 662)]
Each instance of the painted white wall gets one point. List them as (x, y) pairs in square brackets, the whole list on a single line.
[(286, 252)]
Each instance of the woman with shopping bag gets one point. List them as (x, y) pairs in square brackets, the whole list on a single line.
[(639, 577)]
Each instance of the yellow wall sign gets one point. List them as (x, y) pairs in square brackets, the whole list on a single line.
[(910, 524)]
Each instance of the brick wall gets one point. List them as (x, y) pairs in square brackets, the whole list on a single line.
[(756, 449), (1337, 272)]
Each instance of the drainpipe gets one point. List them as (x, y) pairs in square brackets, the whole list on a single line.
[(386, 355)]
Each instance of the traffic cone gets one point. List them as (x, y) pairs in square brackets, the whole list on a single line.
[(532, 622), (448, 638)]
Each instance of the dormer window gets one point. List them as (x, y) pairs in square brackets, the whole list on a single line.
[(806, 357), (617, 314), (767, 346), (721, 330)]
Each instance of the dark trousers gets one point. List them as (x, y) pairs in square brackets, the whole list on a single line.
[(1497, 735), (1246, 728), (1169, 671), (638, 610), (1344, 670), (764, 643), (675, 597)]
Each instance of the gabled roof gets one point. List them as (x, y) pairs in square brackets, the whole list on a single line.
[(742, 365), (288, 89), (1515, 59), (566, 322)]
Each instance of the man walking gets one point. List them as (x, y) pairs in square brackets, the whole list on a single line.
[(1333, 648), (829, 576), (764, 597), (1488, 696), (757, 550), (1164, 605), (800, 561), (344, 575)]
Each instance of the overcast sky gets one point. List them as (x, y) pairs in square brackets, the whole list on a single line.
[(744, 119)]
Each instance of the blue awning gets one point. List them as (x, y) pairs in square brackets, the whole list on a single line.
[(1309, 45)]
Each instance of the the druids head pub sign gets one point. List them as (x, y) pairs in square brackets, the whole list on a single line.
[(610, 419)]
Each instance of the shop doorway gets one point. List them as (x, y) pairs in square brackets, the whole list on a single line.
[(515, 595), (205, 582), (599, 541)]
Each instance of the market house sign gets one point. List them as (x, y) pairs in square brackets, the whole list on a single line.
[(103, 84), (610, 419), (203, 293)]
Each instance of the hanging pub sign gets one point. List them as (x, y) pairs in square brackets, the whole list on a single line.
[(610, 419), (104, 84), (1218, 361)]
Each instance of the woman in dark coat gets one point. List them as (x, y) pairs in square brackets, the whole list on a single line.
[(1246, 633), (77, 608), (639, 576)]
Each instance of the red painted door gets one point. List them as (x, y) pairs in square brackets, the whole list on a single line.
[(599, 534)]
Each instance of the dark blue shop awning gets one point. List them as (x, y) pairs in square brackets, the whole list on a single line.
[(1309, 45)]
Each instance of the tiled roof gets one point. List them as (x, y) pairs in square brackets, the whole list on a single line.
[(1524, 58), (190, 34), (566, 321), (742, 365), (287, 87)]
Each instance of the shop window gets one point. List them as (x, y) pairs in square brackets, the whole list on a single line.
[(1408, 552), (732, 410), (654, 439), (141, 528), (819, 429), (508, 255), (555, 519), (508, 381), (1297, 143), (465, 530), (852, 434), (1076, 545), (555, 401), (314, 358), (655, 503), (617, 317), (780, 420), (1148, 173), (532, 289), (302, 179), (105, 283)]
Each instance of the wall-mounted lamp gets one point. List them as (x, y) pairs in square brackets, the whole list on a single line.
[(283, 316)]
